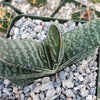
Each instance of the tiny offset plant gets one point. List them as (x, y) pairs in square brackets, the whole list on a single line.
[(23, 61), (5, 18), (36, 2), (96, 1)]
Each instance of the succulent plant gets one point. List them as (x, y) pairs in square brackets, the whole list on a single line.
[(23, 61), (6, 15), (77, 3), (36, 2), (5, 18), (83, 14), (96, 1)]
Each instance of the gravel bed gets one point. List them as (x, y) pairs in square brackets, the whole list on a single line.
[(45, 10), (66, 11), (37, 29), (74, 82)]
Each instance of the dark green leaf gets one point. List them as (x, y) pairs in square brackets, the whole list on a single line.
[(54, 46)]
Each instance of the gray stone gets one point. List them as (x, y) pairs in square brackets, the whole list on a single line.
[(51, 92), (42, 37), (38, 28), (1, 86), (80, 77), (73, 67), (87, 70), (46, 86), (29, 98), (12, 31), (54, 97), (0, 94), (69, 93), (91, 63), (16, 31), (84, 62), (4, 95), (27, 94), (45, 28), (71, 23), (24, 36), (30, 24), (15, 89), (70, 75), (45, 80), (89, 97), (12, 98), (6, 82), (26, 89), (16, 36), (28, 30), (43, 32), (67, 83), (38, 36), (19, 23), (47, 24), (58, 89), (42, 97), (39, 80), (63, 90), (58, 80), (35, 97), (78, 97), (5, 90), (84, 93), (22, 96), (62, 75), (37, 89), (38, 22), (33, 34), (92, 91), (66, 69), (53, 78), (17, 95), (23, 18), (79, 24), (29, 19), (55, 84), (23, 28), (70, 99), (63, 97), (32, 86), (75, 91)]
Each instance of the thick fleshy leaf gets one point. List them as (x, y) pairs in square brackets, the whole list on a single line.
[(82, 39), (75, 59), (43, 56), (14, 72), (23, 53), (54, 46), (37, 2)]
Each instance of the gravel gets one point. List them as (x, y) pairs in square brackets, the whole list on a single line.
[(57, 88), (37, 29), (74, 82), (45, 10)]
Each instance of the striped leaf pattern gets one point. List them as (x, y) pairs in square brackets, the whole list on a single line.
[(22, 61), (82, 39), (54, 46), (22, 54)]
